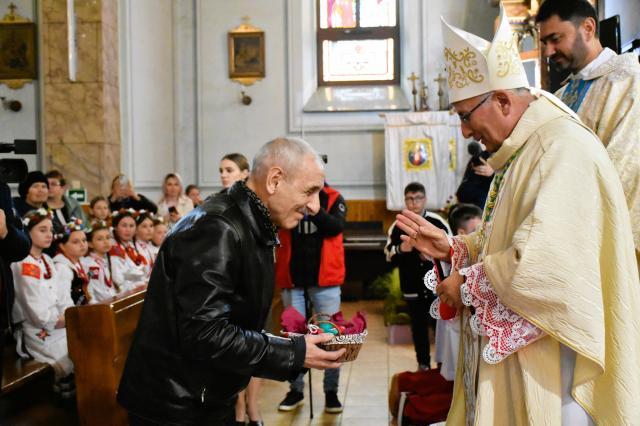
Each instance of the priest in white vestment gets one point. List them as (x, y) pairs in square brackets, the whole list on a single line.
[(603, 89), (547, 289)]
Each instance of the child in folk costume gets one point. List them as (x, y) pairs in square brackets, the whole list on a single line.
[(98, 265), (144, 233), (72, 246), (159, 232), (41, 299), (128, 266)]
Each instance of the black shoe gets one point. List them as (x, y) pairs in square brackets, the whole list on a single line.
[(332, 403), (256, 423), (293, 400)]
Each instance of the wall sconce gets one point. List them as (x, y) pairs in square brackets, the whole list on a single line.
[(11, 104)]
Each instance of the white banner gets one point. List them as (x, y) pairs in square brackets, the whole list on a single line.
[(426, 147)]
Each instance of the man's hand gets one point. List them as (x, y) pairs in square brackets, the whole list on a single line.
[(319, 358), (3, 225), (483, 169), (449, 290), (429, 240)]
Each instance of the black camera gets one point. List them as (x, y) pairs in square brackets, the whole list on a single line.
[(14, 170)]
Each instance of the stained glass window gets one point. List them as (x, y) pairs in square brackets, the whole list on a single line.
[(358, 42)]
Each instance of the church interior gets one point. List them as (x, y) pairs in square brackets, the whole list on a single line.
[(140, 93)]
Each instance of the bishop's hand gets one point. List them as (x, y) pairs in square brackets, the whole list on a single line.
[(429, 240)]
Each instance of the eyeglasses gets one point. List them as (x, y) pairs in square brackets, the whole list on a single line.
[(415, 199), (465, 118)]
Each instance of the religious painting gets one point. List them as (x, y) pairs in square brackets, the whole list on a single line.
[(17, 51), (418, 154), (246, 54)]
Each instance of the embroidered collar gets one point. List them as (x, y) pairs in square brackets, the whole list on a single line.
[(259, 205)]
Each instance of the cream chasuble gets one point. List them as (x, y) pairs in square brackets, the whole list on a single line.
[(607, 100), (554, 263)]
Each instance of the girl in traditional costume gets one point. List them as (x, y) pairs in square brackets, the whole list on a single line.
[(128, 266), (72, 246), (144, 234), (98, 264), (41, 299)]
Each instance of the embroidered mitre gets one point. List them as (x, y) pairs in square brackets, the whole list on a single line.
[(476, 66)]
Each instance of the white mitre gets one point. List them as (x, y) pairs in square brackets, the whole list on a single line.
[(476, 66)]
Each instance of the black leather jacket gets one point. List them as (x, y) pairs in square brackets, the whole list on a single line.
[(198, 341)]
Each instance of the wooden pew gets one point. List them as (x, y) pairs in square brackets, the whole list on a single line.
[(99, 337), (18, 372)]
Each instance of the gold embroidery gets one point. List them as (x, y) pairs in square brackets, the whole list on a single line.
[(453, 155), (508, 58), (418, 154), (462, 68)]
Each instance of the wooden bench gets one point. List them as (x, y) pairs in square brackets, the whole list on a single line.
[(17, 372), (99, 337)]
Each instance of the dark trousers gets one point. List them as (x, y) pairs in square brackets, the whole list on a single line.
[(420, 323)]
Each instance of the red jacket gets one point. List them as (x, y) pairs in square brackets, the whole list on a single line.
[(332, 268)]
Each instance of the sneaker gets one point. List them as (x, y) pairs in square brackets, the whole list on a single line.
[(293, 400), (332, 403)]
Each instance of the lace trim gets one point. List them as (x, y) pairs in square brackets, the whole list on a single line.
[(507, 331), (464, 293), (460, 253), (431, 280), (434, 309)]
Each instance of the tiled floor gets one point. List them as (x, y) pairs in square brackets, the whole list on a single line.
[(364, 383)]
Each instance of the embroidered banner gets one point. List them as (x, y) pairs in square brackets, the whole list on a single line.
[(425, 147)]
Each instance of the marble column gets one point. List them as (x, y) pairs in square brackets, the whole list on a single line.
[(82, 117)]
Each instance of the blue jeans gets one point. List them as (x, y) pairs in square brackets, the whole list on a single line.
[(327, 301)]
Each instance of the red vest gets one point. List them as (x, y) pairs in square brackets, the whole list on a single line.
[(332, 268)]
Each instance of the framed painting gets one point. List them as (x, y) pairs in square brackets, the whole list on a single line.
[(246, 55), (18, 56)]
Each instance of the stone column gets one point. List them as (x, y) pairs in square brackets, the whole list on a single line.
[(82, 118)]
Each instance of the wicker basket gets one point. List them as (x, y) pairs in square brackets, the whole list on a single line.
[(351, 342)]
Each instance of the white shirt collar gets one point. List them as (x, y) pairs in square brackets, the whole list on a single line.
[(603, 57)]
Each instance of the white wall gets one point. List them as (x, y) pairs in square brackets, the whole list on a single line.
[(184, 113), (629, 11), (25, 123), (147, 91)]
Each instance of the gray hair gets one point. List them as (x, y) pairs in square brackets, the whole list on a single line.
[(287, 153)]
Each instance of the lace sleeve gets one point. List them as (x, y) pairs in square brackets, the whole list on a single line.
[(459, 253), (506, 330), (459, 258)]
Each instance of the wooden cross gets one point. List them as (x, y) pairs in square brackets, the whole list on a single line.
[(12, 9)]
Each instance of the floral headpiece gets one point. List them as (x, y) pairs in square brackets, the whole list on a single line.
[(117, 215), (141, 215), (97, 225), (123, 212), (73, 225), (34, 217)]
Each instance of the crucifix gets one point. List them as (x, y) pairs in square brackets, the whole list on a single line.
[(444, 105), (412, 78)]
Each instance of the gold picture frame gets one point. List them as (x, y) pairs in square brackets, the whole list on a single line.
[(246, 54), (18, 50)]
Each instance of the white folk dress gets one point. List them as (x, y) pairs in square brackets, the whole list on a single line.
[(101, 287), (41, 297), (124, 270)]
